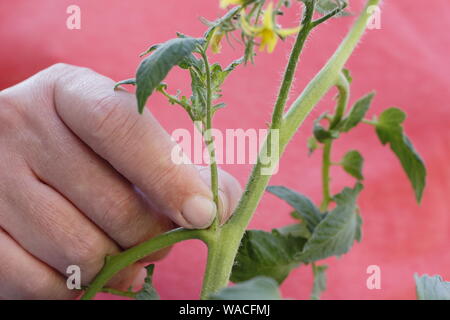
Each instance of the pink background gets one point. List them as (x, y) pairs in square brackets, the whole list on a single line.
[(406, 62)]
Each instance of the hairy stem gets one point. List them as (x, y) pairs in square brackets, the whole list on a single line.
[(115, 292), (114, 264), (326, 164), (221, 253), (344, 93), (233, 231), (209, 141), (292, 65)]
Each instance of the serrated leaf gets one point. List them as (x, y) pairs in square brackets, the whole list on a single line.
[(352, 162), (258, 288), (199, 95), (148, 292), (432, 288), (320, 281), (218, 75), (155, 68), (337, 232), (357, 113), (269, 254), (390, 131), (305, 207)]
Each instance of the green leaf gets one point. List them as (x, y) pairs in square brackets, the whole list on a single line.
[(258, 288), (270, 254), (199, 95), (432, 288), (347, 75), (218, 76), (326, 6), (352, 162), (306, 209), (312, 145), (148, 292), (190, 61), (359, 222), (155, 68), (357, 113), (297, 230), (322, 134), (390, 131), (337, 232), (320, 281)]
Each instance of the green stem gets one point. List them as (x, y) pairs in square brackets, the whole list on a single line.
[(209, 141), (326, 78), (329, 15), (114, 264), (370, 122), (221, 253), (344, 93), (219, 269), (291, 67), (115, 292), (326, 164), (174, 99)]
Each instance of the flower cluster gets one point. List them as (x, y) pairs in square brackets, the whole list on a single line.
[(268, 31)]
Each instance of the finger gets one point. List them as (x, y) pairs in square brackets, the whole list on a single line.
[(53, 230), (230, 191), (135, 145), (24, 277), (93, 186)]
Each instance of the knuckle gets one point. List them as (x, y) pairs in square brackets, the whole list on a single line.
[(88, 253), (10, 115), (168, 174), (64, 68), (109, 120), (118, 210)]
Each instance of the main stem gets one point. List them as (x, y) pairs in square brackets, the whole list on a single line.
[(222, 251), (209, 141), (221, 262), (344, 92), (326, 164)]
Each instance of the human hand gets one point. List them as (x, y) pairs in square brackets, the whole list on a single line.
[(82, 176)]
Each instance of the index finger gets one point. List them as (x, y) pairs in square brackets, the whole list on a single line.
[(135, 145)]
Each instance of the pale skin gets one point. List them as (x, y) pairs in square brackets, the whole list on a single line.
[(82, 176)]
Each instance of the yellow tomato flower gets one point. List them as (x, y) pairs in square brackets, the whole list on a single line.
[(216, 38), (268, 31), (226, 3)]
